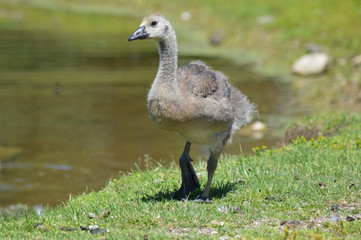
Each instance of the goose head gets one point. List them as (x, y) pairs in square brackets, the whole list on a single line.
[(154, 26)]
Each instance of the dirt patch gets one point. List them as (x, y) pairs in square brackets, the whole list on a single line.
[(350, 98), (338, 213), (299, 131)]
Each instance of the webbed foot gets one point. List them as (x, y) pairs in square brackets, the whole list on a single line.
[(190, 180)]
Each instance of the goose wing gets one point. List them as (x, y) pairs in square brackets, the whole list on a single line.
[(197, 79)]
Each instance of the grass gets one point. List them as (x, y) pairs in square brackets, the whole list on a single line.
[(303, 190)]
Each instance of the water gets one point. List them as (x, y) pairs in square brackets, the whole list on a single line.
[(73, 112)]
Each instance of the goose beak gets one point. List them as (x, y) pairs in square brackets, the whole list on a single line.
[(139, 34)]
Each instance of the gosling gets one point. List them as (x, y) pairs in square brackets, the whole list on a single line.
[(193, 101)]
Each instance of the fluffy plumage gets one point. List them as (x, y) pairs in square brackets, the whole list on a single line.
[(194, 101)]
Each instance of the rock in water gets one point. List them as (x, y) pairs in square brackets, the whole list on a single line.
[(217, 38), (311, 64)]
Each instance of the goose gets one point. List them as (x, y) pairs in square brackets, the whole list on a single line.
[(194, 101)]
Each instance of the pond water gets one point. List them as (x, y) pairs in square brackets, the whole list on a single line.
[(73, 112)]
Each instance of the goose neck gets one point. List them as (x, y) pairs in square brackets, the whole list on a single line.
[(168, 60)]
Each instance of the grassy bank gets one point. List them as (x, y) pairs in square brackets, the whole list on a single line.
[(310, 188)]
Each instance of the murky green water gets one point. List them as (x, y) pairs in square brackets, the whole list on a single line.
[(73, 112)]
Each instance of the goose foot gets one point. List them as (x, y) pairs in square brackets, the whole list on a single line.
[(189, 178), (190, 181)]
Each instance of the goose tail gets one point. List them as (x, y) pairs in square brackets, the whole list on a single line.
[(244, 110)]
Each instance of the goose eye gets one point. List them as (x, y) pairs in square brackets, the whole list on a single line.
[(153, 23)]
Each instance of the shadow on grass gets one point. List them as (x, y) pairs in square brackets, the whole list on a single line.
[(217, 192)]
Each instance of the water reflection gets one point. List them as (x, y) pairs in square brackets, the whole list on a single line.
[(74, 108)]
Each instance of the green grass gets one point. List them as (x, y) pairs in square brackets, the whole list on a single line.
[(256, 196)]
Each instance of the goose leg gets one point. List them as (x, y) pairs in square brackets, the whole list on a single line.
[(215, 152), (189, 177)]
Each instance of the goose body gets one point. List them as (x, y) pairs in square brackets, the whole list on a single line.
[(200, 110), (193, 101)]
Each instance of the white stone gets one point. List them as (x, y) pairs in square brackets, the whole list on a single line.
[(93, 227), (265, 19), (357, 61), (258, 126), (157, 181), (310, 64), (185, 16)]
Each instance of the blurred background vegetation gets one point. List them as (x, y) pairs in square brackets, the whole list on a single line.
[(271, 34), (292, 24)]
